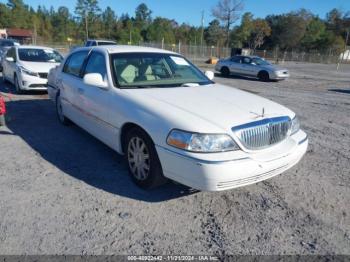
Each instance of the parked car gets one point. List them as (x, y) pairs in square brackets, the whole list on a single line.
[(27, 67), (2, 111), (251, 66), (94, 42), (5, 44), (171, 121)]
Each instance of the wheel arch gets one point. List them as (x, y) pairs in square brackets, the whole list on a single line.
[(125, 129)]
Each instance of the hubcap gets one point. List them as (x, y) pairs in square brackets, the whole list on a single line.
[(138, 158)]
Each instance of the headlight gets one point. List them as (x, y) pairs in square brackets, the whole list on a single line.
[(28, 72), (295, 125), (204, 143)]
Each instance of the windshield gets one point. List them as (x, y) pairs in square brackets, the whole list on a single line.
[(39, 55), (259, 61), (155, 70)]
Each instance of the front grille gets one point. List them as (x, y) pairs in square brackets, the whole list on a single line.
[(43, 75), (38, 85), (263, 133)]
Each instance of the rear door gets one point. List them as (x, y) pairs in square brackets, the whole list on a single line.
[(236, 64)]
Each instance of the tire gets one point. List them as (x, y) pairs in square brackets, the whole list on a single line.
[(18, 89), (63, 120), (2, 120), (264, 76), (225, 71), (142, 159)]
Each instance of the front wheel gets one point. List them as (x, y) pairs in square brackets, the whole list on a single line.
[(143, 162), (264, 76)]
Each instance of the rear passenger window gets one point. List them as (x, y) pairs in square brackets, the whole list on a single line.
[(74, 63)]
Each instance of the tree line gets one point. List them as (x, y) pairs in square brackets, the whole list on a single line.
[(297, 30)]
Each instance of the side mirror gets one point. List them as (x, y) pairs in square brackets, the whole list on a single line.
[(95, 79), (209, 74), (10, 59)]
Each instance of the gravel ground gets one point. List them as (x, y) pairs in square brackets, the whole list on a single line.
[(64, 192)]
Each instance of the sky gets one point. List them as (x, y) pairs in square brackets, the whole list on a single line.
[(189, 11)]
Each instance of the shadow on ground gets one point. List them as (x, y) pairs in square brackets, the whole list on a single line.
[(344, 91), (78, 154)]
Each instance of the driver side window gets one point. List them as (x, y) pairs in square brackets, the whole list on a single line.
[(96, 64), (247, 60)]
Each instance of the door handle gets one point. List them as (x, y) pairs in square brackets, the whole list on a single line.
[(80, 91)]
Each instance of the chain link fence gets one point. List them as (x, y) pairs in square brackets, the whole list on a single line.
[(202, 53)]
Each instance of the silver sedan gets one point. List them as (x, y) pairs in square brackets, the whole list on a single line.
[(251, 66)]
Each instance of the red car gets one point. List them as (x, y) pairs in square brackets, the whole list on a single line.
[(2, 111)]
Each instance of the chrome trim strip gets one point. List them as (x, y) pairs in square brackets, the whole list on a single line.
[(201, 161), (263, 133), (303, 140), (97, 119), (261, 122)]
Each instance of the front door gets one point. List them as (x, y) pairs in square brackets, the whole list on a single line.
[(98, 103)]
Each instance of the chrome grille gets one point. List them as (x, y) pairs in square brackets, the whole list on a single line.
[(263, 133)]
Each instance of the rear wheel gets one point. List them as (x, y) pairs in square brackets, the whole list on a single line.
[(143, 162), (264, 76), (65, 121), (225, 71)]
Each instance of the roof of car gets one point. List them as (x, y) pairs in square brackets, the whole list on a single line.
[(126, 49), (101, 40), (33, 47)]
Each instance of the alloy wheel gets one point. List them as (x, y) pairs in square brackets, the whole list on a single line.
[(138, 158)]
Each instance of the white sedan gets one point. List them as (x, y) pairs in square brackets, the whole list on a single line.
[(27, 67), (171, 121)]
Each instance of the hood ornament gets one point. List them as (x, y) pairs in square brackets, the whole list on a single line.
[(262, 115)]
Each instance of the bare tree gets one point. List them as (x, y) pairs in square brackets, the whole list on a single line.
[(228, 12)]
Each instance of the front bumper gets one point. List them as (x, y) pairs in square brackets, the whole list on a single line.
[(279, 75), (28, 82), (246, 169)]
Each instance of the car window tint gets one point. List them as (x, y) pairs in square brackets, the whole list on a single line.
[(246, 60), (96, 64), (74, 63), (236, 59)]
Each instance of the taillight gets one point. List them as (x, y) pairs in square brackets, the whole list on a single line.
[(2, 106)]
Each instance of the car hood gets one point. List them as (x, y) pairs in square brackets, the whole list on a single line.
[(216, 104), (40, 67)]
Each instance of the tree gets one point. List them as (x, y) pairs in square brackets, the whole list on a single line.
[(260, 30), (241, 34), (143, 13), (214, 33), (88, 13), (314, 34), (228, 12), (108, 20)]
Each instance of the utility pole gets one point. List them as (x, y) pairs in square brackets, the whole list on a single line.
[(202, 23), (202, 33), (86, 26)]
